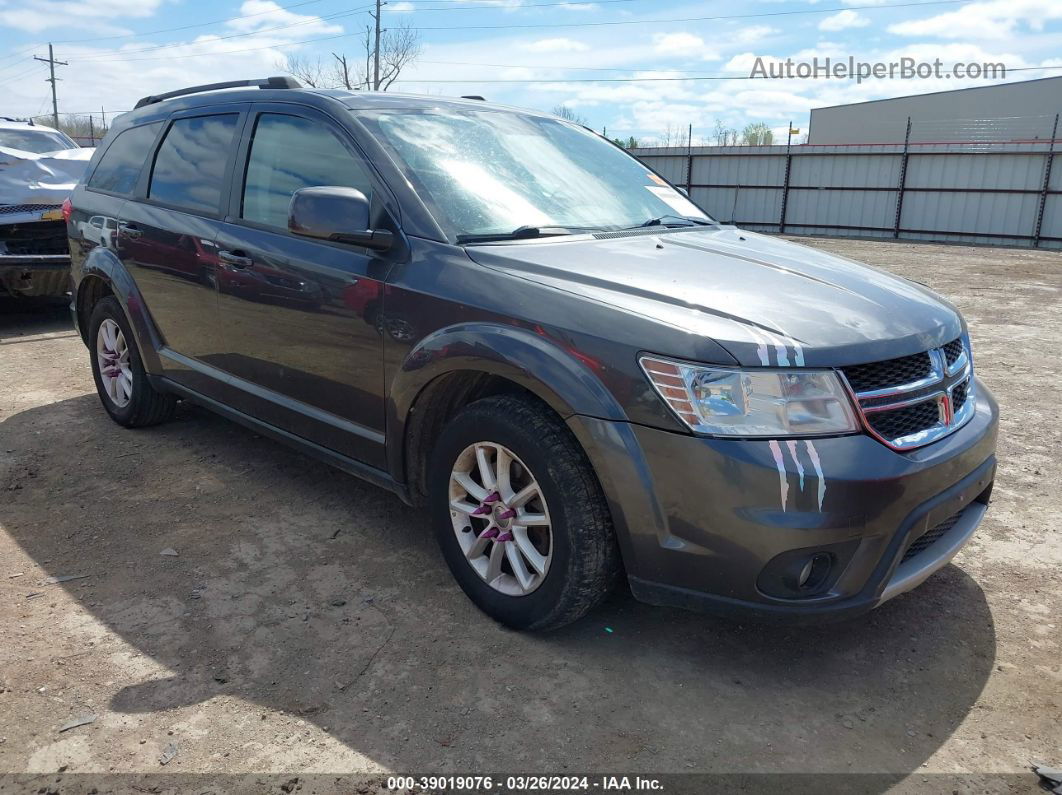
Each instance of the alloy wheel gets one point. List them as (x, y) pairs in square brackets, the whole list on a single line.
[(500, 518), (112, 356)]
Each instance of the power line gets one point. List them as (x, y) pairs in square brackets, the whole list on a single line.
[(233, 52), (188, 27), (310, 21), (561, 25), (689, 19), (306, 3), (520, 7), (474, 81), (20, 75), (165, 30), (567, 68), (329, 17)]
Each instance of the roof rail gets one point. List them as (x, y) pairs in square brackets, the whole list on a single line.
[(473, 96), (268, 82)]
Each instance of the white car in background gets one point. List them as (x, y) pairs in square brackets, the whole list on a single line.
[(99, 229), (39, 167)]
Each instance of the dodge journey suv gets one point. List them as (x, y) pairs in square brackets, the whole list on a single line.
[(505, 319)]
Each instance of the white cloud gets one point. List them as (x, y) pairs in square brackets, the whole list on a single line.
[(265, 16), (843, 20), (677, 43), (402, 7), (34, 16), (988, 20), (555, 45), (752, 34)]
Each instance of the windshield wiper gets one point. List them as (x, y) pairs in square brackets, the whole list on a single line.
[(684, 220), (525, 232)]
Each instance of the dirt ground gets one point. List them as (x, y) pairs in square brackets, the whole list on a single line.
[(307, 622)]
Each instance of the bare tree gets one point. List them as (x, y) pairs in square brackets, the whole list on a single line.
[(671, 136), (399, 47), (342, 72), (306, 70), (720, 133), (569, 115)]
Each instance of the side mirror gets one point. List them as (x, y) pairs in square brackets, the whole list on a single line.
[(335, 213)]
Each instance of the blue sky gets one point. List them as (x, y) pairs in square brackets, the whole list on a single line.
[(638, 77)]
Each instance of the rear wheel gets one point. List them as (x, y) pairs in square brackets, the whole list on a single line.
[(121, 380), (519, 514)]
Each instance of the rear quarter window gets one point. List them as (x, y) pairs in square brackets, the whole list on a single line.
[(120, 166), (189, 169)]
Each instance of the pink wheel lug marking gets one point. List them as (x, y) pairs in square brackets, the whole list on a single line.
[(490, 532), (492, 498), (506, 536), (482, 510), (508, 513)]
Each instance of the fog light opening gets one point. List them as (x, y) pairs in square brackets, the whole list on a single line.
[(814, 572), (805, 573)]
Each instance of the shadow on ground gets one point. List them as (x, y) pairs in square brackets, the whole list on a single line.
[(302, 590), (21, 317)]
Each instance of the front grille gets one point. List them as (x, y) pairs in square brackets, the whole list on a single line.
[(903, 422), (34, 238), (952, 351), (11, 209), (880, 375), (930, 537), (958, 395), (905, 401)]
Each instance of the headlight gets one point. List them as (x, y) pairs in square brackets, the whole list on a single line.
[(754, 402)]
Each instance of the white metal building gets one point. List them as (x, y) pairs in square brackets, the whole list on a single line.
[(1003, 112)]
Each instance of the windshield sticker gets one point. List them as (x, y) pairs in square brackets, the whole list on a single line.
[(675, 200)]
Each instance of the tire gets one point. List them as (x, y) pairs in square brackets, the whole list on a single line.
[(583, 558), (143, 405)]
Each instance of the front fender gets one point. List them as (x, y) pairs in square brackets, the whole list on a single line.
[(534, 361), (102, 263)]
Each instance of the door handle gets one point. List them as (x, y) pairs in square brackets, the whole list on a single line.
[(236, 259)]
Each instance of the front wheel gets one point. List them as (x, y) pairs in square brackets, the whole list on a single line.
[(520, 515), (121, 380)]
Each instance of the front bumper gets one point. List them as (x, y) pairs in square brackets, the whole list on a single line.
[(725, 525)]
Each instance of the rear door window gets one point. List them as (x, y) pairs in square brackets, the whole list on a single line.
[(189, 169), (120, 166), (289, 153)]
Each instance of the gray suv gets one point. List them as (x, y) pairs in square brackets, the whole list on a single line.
[(501, 317)]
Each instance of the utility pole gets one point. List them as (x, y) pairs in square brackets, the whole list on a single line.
[(50, 60), (376, 51)]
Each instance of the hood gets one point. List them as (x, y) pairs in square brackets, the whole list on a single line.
[(46, 179), (765, 300)]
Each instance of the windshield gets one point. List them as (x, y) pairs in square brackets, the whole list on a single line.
[(36, 141), (492, 172)]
